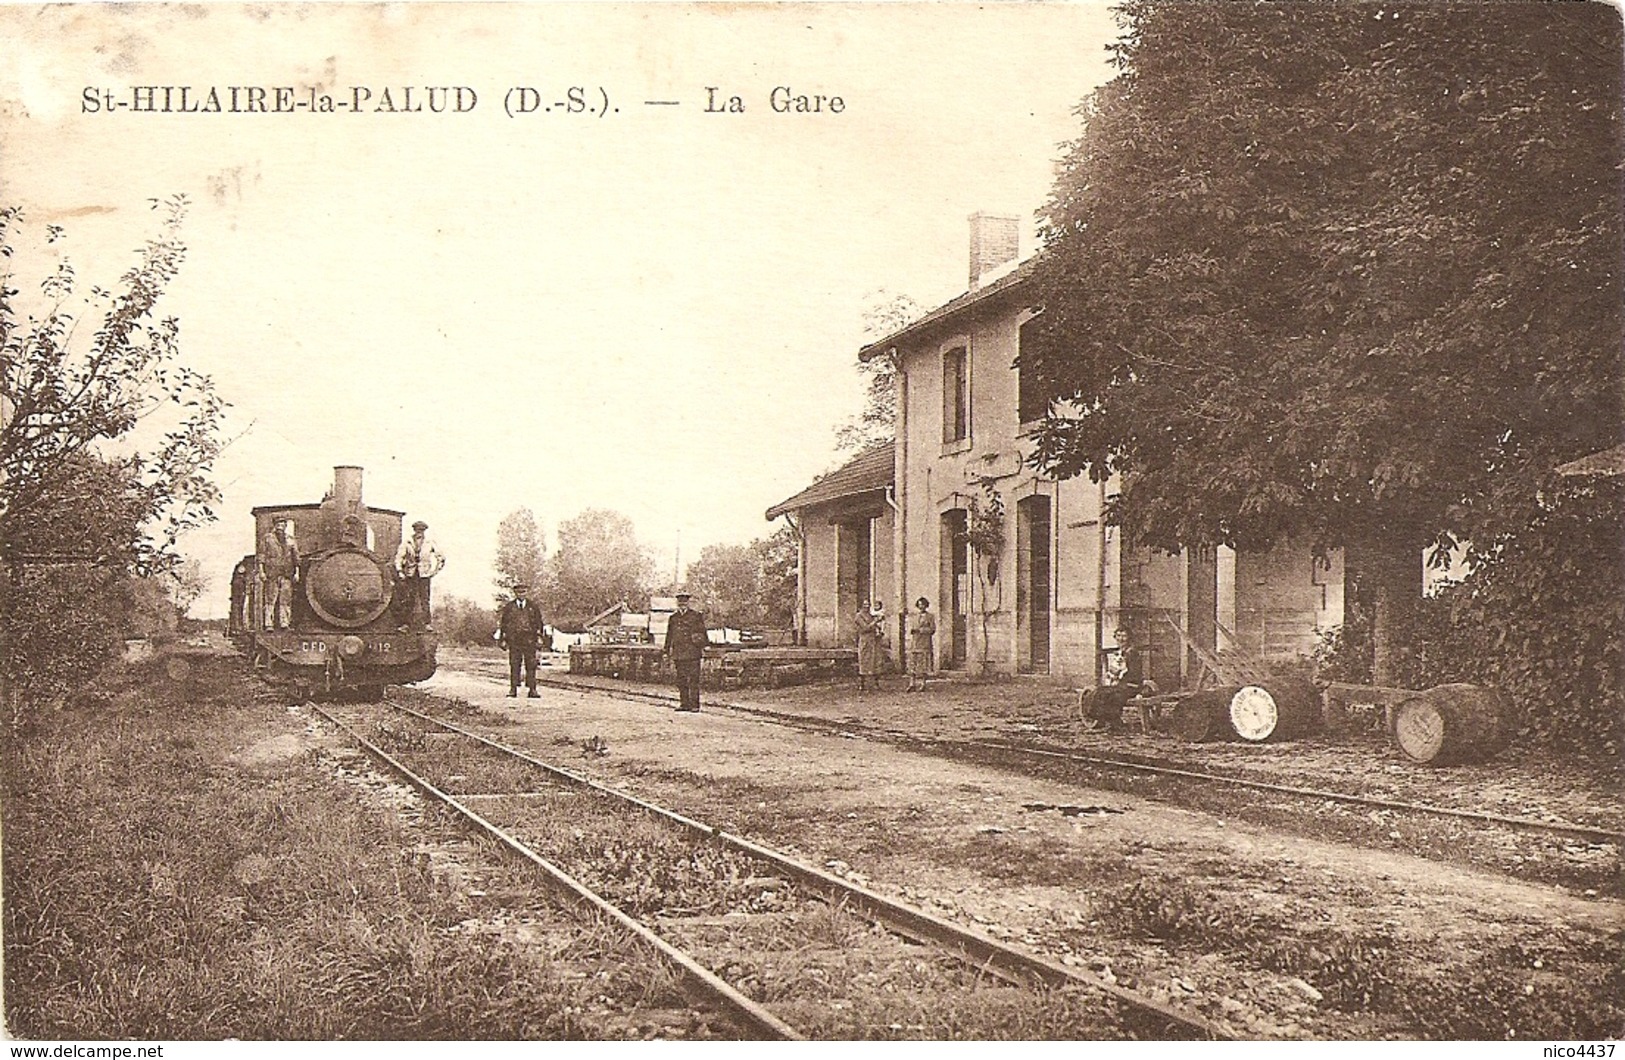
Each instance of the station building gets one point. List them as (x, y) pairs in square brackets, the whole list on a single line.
[(1049, 597), (845, 531)]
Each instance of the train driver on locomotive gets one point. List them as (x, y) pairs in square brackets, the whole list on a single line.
[(279, 566), (416, 561)]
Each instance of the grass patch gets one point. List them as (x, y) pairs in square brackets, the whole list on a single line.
[(164, 881), (1459, 997), (452, 708), (1029, 860)]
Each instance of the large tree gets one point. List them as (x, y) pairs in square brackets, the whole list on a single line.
[(464, 622), (599, 563), (521, 554), (1340, 273)]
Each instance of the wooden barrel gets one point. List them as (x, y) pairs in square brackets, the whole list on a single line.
[(1203, 715), (1452, 723), (1273, 710)]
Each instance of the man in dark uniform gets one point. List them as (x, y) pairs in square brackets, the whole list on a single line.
[(519, 629), (242, 606), (685, 645)]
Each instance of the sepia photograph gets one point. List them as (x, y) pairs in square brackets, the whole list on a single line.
[(880, 521)]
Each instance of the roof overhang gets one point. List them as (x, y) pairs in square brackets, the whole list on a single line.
[(1004, 287), (867, 473)]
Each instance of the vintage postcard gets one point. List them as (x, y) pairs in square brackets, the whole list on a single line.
[(1071, 521)]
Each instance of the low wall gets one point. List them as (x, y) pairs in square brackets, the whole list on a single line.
[(721, 667)]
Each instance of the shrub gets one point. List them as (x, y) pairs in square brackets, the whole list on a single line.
[(1541, 617), (59, 625), (1441, 648), (464, 621)]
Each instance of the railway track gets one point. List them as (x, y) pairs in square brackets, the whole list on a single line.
[(766, 962), (1143, 765)]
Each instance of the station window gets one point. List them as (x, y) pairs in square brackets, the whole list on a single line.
[(1030, 400), (955, 395)]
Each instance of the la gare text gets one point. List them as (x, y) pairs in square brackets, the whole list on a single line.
[(421, 99), (782, 100)]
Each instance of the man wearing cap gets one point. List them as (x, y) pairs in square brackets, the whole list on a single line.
[(685, 645), (279, 566), (519, 629), (416, 561)]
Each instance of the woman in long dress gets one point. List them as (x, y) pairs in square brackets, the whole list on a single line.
[(922, 628), (871, 657)]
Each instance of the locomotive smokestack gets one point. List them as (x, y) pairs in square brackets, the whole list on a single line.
[(347, 488)]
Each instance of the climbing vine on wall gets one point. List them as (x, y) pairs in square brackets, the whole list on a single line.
[(984, 529)]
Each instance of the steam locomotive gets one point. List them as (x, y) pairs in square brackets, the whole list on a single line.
[(346, 631)]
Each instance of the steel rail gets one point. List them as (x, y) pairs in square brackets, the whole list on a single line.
[(1526, 824), (973, 947), (711, 985), (1521, 823)]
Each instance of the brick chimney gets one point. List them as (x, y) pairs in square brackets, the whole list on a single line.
[(995, 240)]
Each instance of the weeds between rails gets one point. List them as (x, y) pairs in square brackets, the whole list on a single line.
[(680, 878)]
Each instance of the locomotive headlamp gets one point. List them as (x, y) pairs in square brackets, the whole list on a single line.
[(350, 646)]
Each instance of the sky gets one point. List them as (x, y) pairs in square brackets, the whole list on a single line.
[(644, 306)]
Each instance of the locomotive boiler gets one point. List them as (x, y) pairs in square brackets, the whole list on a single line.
[(343, 628)]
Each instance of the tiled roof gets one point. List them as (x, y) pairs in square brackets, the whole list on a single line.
[(868, 471), (950, 308), (1610, 463)]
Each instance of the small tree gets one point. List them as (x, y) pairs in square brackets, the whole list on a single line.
[(187, 583), (725, 580), (60, 398), (877, 423), (464, 622), (1545, 613), (65, 601), (75, 520), (776, 572)]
